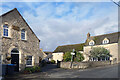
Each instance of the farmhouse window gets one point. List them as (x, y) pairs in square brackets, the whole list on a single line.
[(29, 61), (91, 43), (105, 41)]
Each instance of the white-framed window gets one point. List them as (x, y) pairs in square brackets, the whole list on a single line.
[(93, 59), (91, 43), (23, 36), (100, 59), (29, 61), (0, 59), (105, 41), (5, 30), (107, 58)]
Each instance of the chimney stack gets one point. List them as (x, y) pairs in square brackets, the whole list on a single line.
[(88, 35)]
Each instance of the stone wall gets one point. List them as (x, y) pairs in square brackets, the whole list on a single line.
[(30, 46), (83, 65), (0, 47)]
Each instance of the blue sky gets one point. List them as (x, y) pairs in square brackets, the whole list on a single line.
[(62, 23)]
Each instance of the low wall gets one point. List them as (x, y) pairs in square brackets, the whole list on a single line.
[(84, 65)]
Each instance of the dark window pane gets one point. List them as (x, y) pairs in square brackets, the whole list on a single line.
[(5, 26), (5, 32), (23, 34), (29, 60)]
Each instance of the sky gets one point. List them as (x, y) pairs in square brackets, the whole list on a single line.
[(63, 23)]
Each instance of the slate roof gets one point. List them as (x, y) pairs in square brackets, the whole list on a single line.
[(113, 38), (66, 48), (13, 11), (47, 52)]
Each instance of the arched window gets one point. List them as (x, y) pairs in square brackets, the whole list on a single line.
[(91, 43), (23, 34), (105, 41), (5, 30)]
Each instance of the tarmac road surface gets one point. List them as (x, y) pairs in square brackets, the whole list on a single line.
[(51, 72)]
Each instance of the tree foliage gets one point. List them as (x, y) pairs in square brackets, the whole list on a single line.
[(99, 52), (77, 57), (67, 56)]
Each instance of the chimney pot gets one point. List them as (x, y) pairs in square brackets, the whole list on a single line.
[(88, 35)]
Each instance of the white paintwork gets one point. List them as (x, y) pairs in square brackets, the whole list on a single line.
[(58, 56), (72, 53)]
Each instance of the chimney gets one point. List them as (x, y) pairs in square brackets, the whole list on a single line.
[(88, 35)]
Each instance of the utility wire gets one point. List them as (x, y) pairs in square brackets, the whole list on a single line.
[(115, 3)]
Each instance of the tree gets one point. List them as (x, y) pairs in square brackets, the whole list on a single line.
[(99, 52), (67, 56), (77, 57)]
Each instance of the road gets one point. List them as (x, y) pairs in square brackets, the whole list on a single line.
[(99, 72), (51, 71)]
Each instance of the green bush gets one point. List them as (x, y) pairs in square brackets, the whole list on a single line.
[(28, 70), (67, 56), (53, 61), (77, 57), (32, 69)]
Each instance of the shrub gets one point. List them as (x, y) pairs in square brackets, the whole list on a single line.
[(79, 57), (32, 69), (67, 56), (53, 61), (99, 52)]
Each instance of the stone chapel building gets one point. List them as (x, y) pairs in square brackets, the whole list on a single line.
[(18, 43)]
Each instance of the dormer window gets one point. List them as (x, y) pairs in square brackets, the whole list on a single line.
[(91, 43), (105, 41), (23, 34), (5, 30)]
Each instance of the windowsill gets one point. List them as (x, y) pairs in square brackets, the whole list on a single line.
[(23, 40), (91, 45), (6, 37), (105, 43), (29, 65)]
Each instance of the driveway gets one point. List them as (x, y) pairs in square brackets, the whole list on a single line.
[(51, 71)]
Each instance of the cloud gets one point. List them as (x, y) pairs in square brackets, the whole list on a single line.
[(57, 0), (68, 23)]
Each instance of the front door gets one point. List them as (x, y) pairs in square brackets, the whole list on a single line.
[(15, 60)]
